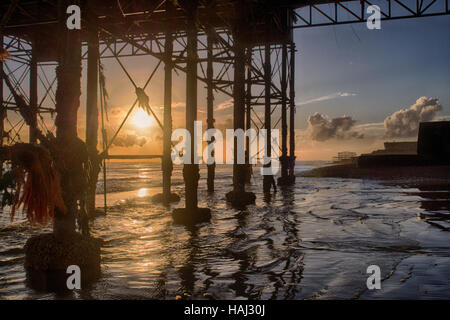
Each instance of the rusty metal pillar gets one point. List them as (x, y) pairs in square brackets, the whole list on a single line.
[(33, 93), (191, 214), (292, 116), (210, 105), (248, 111), (68, 91), (167, 165), (191, 171), (238, 196), (92, 88), (284, 150), (267, 179), (2, 107), (92, 110), (238, 112)]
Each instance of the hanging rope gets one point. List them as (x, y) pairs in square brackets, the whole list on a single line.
[(141, 98), (134, 104), (143, 103), (140, 94)]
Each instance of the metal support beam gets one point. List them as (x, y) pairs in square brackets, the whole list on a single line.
[(92, 110), (68, 93), (248, 116), (167, 165), (238, 196), (292, 115), (2, 107), (33, 95), (210, 105), (191, 214), (92, 89), (239, 112), (267, 179), (325, 13), (133, 157), (284, 152), (191, 171)]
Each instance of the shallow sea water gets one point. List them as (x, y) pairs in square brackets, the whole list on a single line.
[(313, 240)]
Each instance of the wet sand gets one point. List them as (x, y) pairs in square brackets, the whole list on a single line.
[(312, 241), (438, 175)]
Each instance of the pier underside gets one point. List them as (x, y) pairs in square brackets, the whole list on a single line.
[(241, 49)]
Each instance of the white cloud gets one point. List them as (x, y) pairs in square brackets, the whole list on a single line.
[(405, 122), (228, 104), (327, 97)]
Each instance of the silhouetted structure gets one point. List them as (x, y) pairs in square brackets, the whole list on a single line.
[(403, 147), (433, 149), (344, 156), (434, 140), (252, 38)]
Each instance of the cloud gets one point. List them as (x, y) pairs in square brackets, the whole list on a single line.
[(129, 140), (327, 97), (321, 128), (228, 104), (405, 122), (378, 126)]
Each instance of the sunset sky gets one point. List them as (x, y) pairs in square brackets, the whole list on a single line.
[(369, 75), (348, 81)]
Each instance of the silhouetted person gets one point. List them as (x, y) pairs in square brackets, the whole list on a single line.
[(269, 183)]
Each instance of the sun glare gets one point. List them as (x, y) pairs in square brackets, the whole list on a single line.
[(141, 119), (142, 192)]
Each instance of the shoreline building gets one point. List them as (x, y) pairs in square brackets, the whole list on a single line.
[(344, 157)]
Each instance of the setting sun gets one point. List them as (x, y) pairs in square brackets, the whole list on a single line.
[(141, 119)]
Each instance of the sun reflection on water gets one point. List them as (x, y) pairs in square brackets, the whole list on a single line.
[(142, 192)]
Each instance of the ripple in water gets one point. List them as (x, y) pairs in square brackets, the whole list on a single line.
[(312, 241)]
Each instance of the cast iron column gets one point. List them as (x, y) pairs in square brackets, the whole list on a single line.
[(238, 197), (167, 160), (292, 116), (248, 110), (284, 153), (238, 111), (267, 179), (191, 171), (2, 108), (210, 105), (92, 109), (33, 93)]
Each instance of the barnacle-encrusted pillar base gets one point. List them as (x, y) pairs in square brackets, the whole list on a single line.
[(159, 198), (48, 257)]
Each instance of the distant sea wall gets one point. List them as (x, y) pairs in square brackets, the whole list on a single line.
[(352, 171), (432, 160), (434, 140)]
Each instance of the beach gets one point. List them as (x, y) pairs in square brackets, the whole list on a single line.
[(314, 240)]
